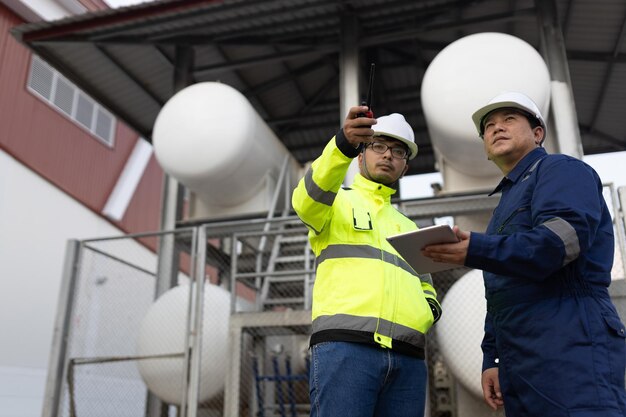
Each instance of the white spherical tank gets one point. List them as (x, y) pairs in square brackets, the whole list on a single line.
[(463, 77), (461, 328), (162, 331), (209, 137)]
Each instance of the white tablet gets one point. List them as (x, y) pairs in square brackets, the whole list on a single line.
[(409, 246)]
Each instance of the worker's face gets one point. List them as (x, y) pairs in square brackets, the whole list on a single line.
[(508, 137), (383, 168)]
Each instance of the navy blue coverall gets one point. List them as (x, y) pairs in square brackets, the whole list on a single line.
[(551, 328)]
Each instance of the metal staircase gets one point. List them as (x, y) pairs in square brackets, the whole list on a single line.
[(282, 261), (289, 274)]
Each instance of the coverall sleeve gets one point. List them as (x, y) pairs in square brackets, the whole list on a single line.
[(565, 214), (488, 346), (314, 195)]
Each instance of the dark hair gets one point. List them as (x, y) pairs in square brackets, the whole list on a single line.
[(534, 121)]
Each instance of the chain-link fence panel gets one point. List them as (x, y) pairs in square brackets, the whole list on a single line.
[(269, 364), (441, 382), (113, 342), (269, 269)]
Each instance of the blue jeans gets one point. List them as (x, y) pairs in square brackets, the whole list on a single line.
[(360, 380)]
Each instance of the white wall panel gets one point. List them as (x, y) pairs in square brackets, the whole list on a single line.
[(36, 220)]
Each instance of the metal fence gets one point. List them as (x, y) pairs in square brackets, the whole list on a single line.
[(217, 324)]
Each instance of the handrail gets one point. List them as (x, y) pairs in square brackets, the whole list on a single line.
[(270, 215)]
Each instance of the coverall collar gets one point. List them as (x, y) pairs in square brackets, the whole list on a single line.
[(521, 167), (362, 183)]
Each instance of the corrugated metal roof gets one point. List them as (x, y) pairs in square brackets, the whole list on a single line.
[(283, 55)]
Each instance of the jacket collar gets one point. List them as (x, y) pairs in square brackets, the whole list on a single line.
[(363, 184), (521, 167)]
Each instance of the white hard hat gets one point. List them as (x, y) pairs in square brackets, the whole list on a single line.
[(508, 99), (396, 127)]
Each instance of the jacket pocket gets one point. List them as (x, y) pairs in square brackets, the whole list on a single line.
[(518, 221), (615, 325)]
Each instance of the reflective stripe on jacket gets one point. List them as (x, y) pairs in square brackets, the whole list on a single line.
[(364, 291)]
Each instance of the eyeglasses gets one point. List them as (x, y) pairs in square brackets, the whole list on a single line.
[(397, 152)]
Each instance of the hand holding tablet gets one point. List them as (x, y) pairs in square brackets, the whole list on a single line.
[(410, 244)]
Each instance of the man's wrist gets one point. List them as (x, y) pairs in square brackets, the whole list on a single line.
[(346, 147)]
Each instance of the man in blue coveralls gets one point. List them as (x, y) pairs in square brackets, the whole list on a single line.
[(554, 345)]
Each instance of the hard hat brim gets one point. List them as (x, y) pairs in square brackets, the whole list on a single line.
[(480, 114)]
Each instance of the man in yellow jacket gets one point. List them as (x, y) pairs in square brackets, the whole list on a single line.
[(371, 311)]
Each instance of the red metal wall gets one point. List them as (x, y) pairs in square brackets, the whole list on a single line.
[(59, 150), (144, 211)]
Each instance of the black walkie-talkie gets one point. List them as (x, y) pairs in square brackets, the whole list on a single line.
[(368, 102)]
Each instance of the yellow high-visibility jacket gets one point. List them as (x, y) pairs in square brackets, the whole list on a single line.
[(364, 291)]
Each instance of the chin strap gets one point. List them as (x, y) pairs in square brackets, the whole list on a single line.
[(364, 167)]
